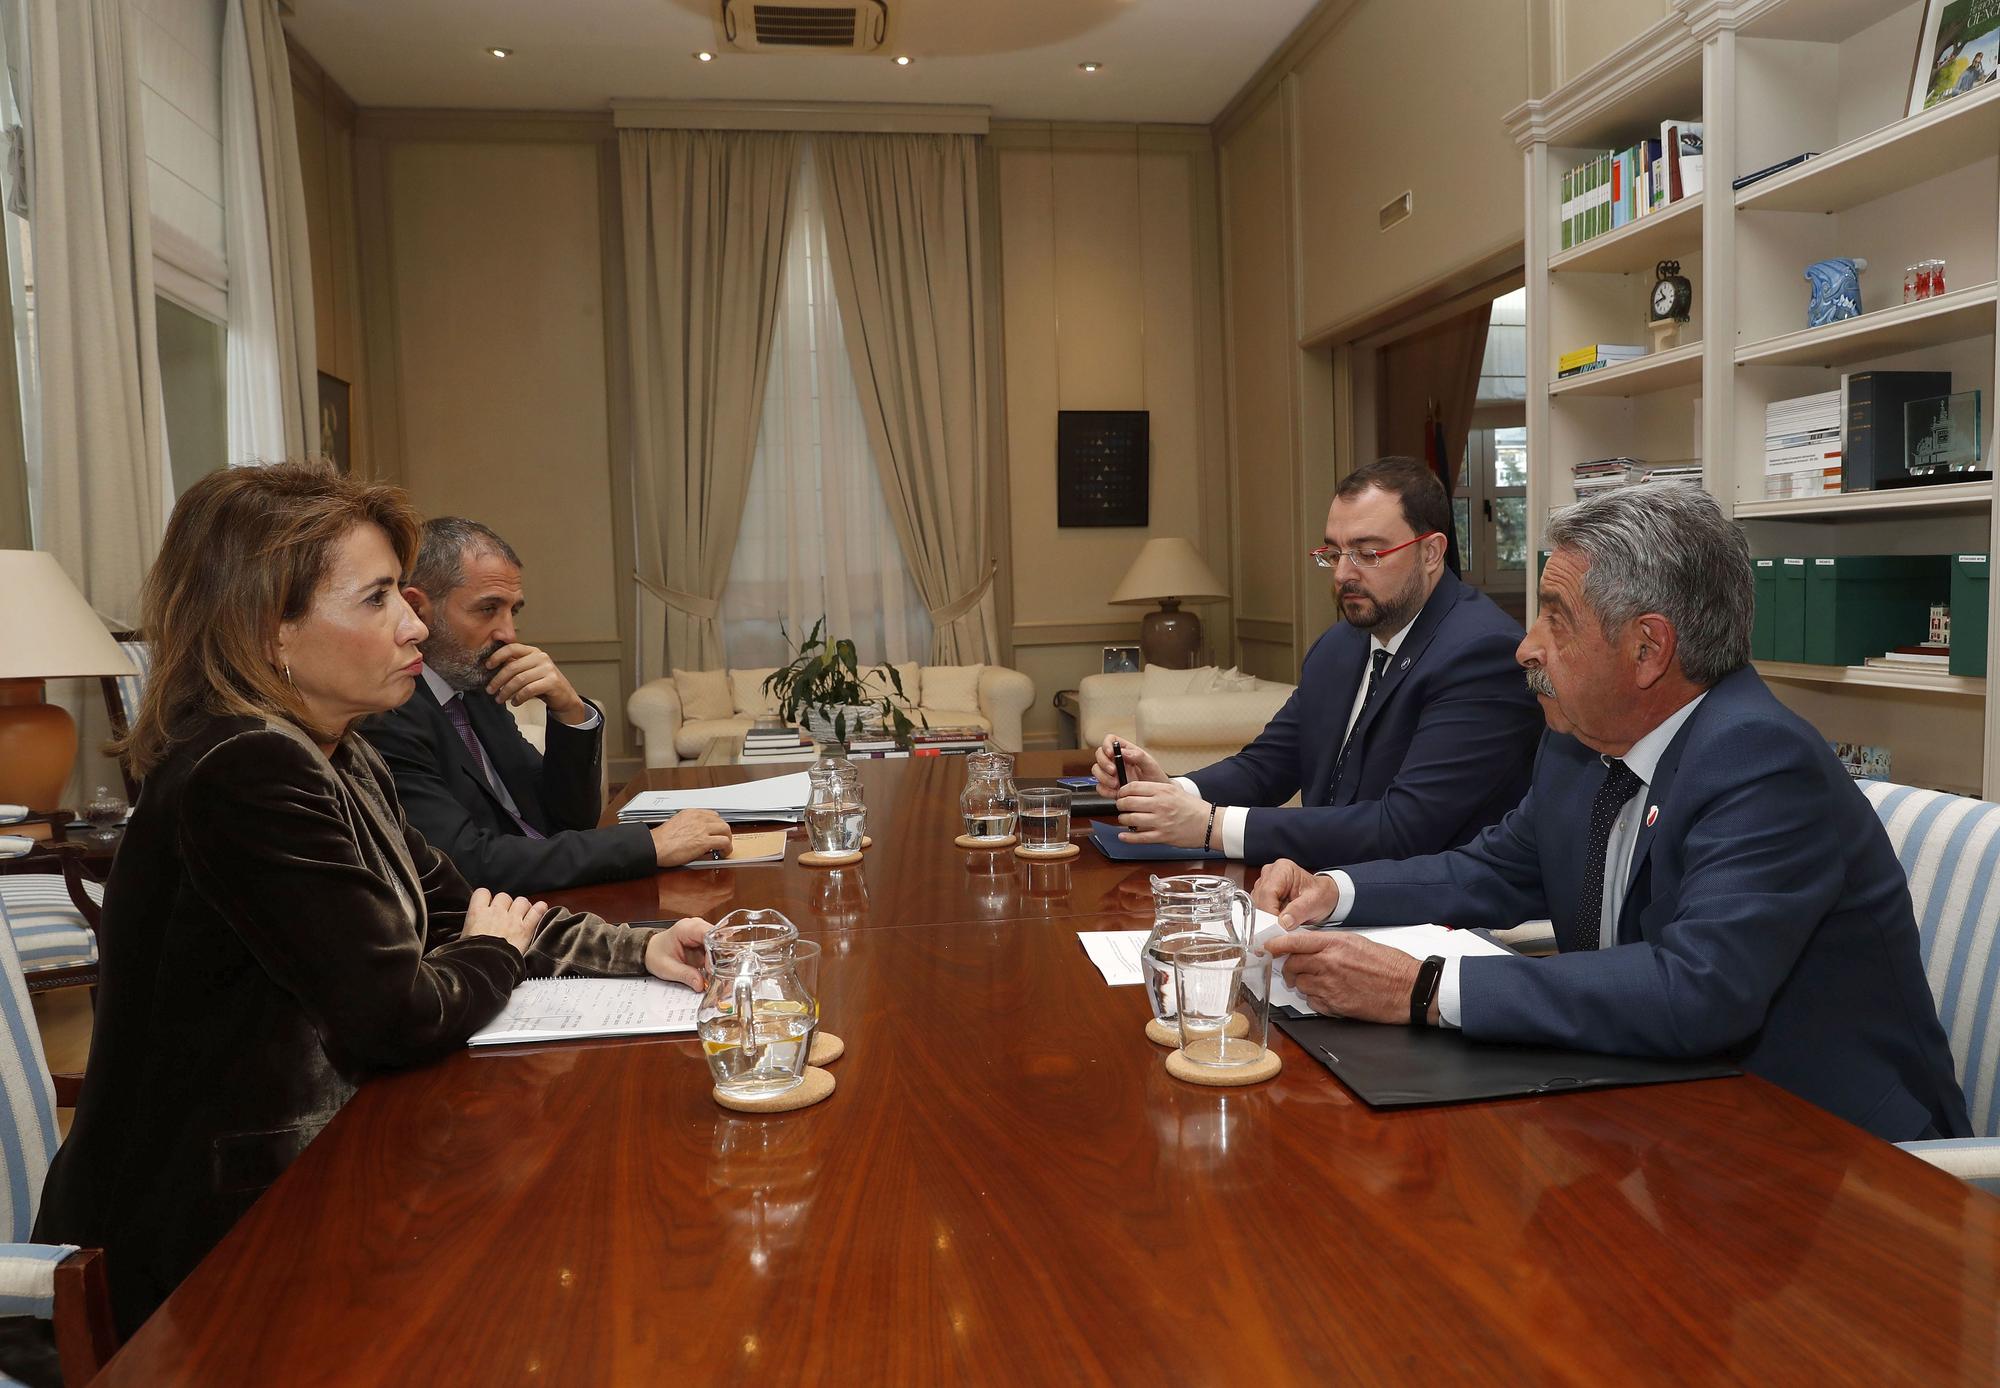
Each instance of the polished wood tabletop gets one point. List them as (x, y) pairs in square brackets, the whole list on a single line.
[(1007, 1187), (912, 874)]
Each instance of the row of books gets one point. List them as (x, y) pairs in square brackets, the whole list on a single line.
[(1802, 446), (1621, 186)]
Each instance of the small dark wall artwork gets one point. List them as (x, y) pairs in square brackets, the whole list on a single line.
[(333, 421), (1102, 467)]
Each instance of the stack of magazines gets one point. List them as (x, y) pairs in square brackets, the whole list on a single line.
[(776, 744)]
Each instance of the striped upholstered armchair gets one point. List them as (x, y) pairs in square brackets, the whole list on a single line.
[(1950, 848), (52, 919), (50, 1281)]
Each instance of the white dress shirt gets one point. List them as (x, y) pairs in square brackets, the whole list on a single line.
[(1235, 819), (444, 694), (1643, 760)]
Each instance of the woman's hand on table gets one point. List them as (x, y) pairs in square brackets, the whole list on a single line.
[(676, 953), (512, 918)]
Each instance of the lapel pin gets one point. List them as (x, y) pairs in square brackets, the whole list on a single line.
[(1652, 814), (1405, 665)]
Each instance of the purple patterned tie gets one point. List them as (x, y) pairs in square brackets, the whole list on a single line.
[(454, 709)]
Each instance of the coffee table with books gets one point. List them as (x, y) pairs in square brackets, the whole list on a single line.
[(785, 745)]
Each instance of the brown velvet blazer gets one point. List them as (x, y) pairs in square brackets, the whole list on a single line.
[(274, 931)]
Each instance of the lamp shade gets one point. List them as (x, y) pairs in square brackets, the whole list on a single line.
[(1169, 568), (47, 630)]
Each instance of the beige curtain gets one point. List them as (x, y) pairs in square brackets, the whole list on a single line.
[(272, 316), (104, 493), (705, 216), (903, 235)]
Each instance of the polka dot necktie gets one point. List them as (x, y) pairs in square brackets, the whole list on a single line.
[(1586, 929), (1377, 663)]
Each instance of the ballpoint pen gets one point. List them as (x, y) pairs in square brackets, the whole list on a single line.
[(1118, 758)]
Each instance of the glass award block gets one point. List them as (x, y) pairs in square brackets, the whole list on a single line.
[(1941, 433)]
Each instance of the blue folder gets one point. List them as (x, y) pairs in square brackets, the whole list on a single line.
[(1105, 836)]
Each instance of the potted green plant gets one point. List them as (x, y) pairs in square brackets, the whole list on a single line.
[(822, 689)]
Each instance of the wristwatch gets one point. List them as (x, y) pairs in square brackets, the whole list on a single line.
[(1428, 974)]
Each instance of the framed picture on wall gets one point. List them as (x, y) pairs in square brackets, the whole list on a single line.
[(1958, 51), (334, 395), (1102, 467), (1121, 660)]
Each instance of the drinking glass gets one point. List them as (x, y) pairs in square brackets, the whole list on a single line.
[(757, 1016), (1044, 818), (835, 813), (1909, 284), (1218, 985), (988, 803)]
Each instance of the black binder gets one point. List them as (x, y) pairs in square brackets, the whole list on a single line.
[(1404, 1067)]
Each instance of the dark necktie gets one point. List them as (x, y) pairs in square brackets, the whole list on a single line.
[(1377, 663), (454, 709), (1586, 930)]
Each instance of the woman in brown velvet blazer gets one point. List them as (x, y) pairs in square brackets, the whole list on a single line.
[(273, 930)]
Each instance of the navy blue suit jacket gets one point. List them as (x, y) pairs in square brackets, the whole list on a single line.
[(1765, 918), (1443, 750), (447, 800)]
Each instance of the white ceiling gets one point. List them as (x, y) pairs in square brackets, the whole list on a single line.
[(1164, 60)]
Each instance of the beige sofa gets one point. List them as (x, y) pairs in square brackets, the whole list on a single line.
[(678, 716), (1185, 718)]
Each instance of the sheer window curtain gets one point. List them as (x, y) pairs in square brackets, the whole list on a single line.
[(816, 535)]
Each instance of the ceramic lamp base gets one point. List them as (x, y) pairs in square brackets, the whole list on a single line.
[(1170, 637), (37, 746)]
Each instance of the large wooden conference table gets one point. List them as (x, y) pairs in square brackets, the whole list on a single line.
[(1008, 1188)]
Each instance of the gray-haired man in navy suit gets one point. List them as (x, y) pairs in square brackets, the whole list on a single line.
[(1719, 886)]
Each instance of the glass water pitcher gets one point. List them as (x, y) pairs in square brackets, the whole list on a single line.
[(757, 1016), (1197, 918), (988, 802)]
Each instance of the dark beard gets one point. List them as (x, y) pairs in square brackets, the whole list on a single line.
[(459, 668), (1393, 614)]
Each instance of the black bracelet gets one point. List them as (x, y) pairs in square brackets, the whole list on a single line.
[(1208, 834), (1428, 975)]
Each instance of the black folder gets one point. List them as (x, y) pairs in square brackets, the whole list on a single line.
[(1403, 1067)]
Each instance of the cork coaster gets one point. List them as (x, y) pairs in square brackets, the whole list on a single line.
[(1047, 855), (829, 860), (1167, 1034), (817, 1085), (867, 842), (1224, 1076), (967, 841), (826, 1049)]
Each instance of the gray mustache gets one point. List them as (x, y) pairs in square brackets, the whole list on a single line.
[(1538, 682)]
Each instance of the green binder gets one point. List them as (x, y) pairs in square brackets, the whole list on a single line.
[(1788, 630), (1968, 615), (1860, 605), (1763, 632)]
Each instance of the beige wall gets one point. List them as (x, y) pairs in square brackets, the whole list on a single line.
[(1111, 296), (485, 252), (1369, 99)]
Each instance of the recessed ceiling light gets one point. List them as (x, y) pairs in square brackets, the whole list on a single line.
[(902, 60), (704, 56), (1089, 67), (501, 52)]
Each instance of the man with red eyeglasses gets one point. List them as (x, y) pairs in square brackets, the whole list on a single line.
[(1411, 729)]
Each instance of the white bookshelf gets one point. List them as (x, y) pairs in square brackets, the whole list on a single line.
[(1770, 79)]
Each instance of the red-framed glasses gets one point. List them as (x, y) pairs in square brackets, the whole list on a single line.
[(1327, 556)]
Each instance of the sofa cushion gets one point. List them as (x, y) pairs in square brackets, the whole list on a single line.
[(704, 693), (878, 686), (691, 739), (746, 688), (1156, 680), (1230, 681), (951, 686)]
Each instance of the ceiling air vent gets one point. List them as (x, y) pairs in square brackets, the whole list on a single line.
[(825, 26)]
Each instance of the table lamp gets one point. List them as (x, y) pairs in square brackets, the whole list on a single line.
[(47, 631), (1169, 572)]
